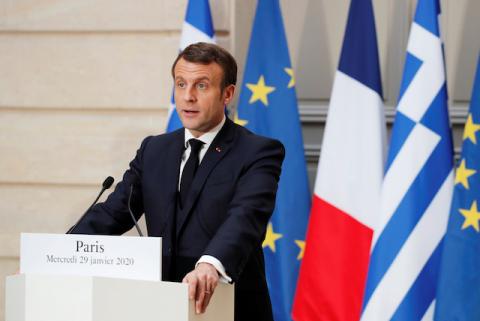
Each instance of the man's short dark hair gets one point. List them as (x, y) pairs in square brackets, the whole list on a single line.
[(206, 53)]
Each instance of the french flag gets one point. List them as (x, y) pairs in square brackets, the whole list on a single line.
[(346, 201)]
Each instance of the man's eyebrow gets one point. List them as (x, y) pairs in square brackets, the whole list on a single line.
[(195, 79)]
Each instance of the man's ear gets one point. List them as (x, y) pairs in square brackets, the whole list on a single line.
[(229, 92)]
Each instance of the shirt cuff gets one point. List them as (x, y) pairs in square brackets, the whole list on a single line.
[(217, 265)]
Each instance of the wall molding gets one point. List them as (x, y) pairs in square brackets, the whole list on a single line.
[(317, 113)]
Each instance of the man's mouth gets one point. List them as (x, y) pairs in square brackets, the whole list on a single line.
[(189, 112)]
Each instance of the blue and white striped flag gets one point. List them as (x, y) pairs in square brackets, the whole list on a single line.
[(418, 184), (197, 27)]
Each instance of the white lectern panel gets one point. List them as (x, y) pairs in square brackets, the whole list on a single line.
[(80, 298)]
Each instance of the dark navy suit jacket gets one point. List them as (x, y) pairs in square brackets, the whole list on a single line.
[(226, 213)]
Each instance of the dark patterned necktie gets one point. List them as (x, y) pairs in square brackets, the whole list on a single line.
[(190, 169)]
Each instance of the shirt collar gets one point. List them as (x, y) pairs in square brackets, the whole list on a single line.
[(206, 138)]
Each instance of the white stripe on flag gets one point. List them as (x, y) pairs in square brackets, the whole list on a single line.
[(403, 171), (190, 35), (355, 130), (430, 77), (413, 256), (171, 108)]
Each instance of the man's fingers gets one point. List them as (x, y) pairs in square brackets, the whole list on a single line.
[(210, 285), (201, 288), (201, 284), (212, 282), (192, 286), (206, 301)]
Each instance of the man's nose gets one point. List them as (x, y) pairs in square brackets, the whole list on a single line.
[(189, 93)]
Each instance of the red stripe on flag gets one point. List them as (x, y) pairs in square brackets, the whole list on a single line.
[(334, 267)]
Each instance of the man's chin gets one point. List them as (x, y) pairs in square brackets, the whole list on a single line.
[(189, 124)]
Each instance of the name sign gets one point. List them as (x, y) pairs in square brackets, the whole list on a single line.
[(125, 257)]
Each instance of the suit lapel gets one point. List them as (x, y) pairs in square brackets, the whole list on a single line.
[(217, 150)]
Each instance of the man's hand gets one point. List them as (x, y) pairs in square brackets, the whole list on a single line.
[(201, 283)]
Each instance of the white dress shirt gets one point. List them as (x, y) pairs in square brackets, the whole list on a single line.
[(207, 140)]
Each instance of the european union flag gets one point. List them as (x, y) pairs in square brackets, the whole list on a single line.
[(268, 106), (458, 295)]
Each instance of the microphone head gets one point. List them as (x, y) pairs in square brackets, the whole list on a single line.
[(107, 183)]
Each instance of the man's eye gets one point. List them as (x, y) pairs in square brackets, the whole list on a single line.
[(180, 84), (202, 85)]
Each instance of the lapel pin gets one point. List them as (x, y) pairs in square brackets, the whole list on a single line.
[(218, 149)]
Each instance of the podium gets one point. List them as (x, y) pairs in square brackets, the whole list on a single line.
[(36, 297)]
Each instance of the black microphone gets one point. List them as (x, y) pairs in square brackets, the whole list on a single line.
[(107, 183), (131, 212)]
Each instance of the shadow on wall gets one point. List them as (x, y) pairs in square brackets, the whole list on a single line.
[(314, 61), (467, 53)]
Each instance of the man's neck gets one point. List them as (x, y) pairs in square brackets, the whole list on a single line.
[(196, 134)]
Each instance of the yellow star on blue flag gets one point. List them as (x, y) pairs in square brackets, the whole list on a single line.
[(260, 91), (289, 72), (270, 238)]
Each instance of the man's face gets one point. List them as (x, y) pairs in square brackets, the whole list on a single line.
[(198, 95)]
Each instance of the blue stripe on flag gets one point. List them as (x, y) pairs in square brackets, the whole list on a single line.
[(436, 116), (408, 213), (360, 36), (403, 127), (422, 292), (427, 15), (199, 16), (412, 65)]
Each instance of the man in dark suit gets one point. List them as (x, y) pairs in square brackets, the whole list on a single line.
[(207, 189)]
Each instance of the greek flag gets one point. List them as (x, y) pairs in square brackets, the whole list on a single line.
[(418, 184), (197, 27)]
